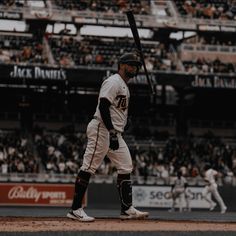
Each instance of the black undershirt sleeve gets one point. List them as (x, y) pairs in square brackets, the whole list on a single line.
[(105, 113)]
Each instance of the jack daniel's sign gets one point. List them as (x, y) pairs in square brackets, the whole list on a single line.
[(37, 73)]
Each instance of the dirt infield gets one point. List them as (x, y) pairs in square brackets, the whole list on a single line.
[(39, 224)]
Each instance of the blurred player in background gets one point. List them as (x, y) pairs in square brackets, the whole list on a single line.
[(179, 192), (212, 189), (104, 133)]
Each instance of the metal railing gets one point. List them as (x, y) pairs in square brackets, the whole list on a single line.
[(208, 48), (101, 179)]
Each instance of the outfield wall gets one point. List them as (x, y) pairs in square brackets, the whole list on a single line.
[(103, 195)]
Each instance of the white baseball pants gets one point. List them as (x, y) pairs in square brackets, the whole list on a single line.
[(98, 147)]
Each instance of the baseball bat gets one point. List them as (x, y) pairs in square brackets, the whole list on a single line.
[(138, 45)]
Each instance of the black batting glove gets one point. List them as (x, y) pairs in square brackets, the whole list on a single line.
[(114, 143)]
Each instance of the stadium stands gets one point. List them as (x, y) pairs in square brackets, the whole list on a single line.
[(213, 9), (139, 7)]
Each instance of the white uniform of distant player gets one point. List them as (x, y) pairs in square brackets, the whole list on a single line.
[(211, 189), (179, 191), (117, 92)]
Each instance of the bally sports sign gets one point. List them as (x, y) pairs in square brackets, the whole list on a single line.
[(37, 194)]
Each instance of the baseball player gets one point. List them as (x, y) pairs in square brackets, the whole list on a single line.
[(104, 133), (179, 191), (212, 189)]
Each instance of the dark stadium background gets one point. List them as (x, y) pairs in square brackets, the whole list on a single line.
[(191, 116)]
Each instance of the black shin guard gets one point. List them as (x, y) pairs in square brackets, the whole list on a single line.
[(81, 185), (124, 187)]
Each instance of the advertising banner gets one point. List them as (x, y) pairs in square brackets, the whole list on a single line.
[(159, 196), (219, 27), (14, 74), (10, 15), (34, 194), (36, 72)]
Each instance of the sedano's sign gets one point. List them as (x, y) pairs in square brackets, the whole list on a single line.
[(37, 194), (160, 197)]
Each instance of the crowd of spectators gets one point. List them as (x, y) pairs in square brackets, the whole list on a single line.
[(213, 9), (98, 51), (189, 155), (68, 51), (17, 154), (209, 54), (21, 49), (61, 153), (203, 65), (108, 6), (87, 51), (95, 51)]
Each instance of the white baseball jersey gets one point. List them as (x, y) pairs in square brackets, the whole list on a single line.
[(179, 184), (210, 176), (117, 92), (211, 188), (179, 192)]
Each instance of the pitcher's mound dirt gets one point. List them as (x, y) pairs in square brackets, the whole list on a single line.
[(36, 224)]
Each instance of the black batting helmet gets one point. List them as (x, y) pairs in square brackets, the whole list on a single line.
[(130, 58), (179, 173), (207, 166)]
